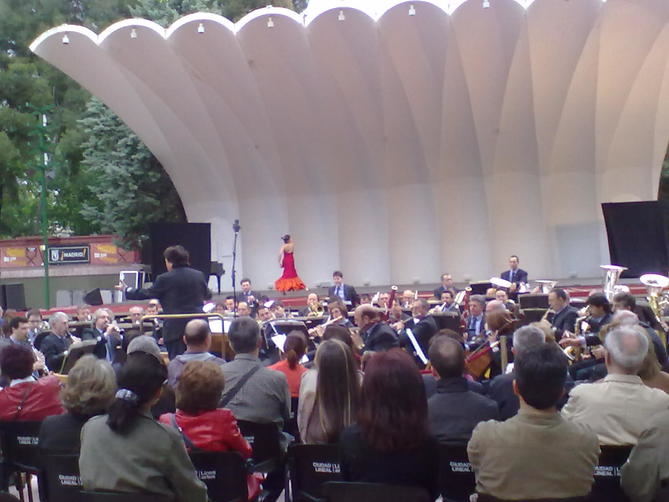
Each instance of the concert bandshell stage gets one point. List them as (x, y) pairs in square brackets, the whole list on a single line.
[(401, 144)]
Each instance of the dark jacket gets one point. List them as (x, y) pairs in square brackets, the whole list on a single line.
[(454, 410), (53, 347), (519, 275), (430, 384), (379, 337), (62, 433), (423, 331), (106, 345), (565, 320), (180, 291), (360, 462), (595, 326), (350, 295)]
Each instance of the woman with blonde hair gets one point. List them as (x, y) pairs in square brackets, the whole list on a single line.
[(329, 394), (90, 389)]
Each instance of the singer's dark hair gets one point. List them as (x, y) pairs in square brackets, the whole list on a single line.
[(177, 255), (285, 238), (142, 374)]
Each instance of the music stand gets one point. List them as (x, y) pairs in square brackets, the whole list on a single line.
[(75, 352)]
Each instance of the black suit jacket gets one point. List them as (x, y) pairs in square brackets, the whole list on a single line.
[(454, 411), (565, 320), (423, 331), (379, 337), (243, 297), (53, 347), (518, 276), (61, 433), (350, 295), (180, 291), (595, 326), (104, 345)]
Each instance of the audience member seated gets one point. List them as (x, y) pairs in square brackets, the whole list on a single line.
[(620, 407), (537, 454), (390, 443), (343, 334), (294, 349), (375, 334), (329, 394), (26, 398), (253, 392), (646, 472), (126, 450), (454, 410), (651, 372), (55, 344), (501, 387), (89, 390), (197, 337)]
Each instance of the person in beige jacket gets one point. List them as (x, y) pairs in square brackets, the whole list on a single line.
[(620, 407), (537, 453)]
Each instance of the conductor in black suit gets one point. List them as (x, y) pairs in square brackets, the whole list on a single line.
[(343, 291), (514, 275), (565, 315), (181, 290)]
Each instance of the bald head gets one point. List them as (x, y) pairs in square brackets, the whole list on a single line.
[(495, 306), (197, 335)]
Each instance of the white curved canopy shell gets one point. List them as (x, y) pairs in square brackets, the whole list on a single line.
[(396, 146)]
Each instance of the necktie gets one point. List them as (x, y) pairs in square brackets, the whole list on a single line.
[(511, 276)]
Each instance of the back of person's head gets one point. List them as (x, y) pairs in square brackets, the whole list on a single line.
[(338, 332), (447, 356), (177, 255), (337, 387), (626, 299), (90, 387), (244, 335), (393, 405), (626, 347), (625, 317), (294, 348), (540, 372), (16, 361), (200, 386), (139, 382), (196, 333), (145, 344), (500, 320), (527, 337)]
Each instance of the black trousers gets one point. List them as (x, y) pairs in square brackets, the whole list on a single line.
[(175, 347)]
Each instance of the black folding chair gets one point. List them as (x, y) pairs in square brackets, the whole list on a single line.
[(309, 467), (224, 473), (291, 424), (59, 479), (340, 491), (93, 496), (606, 487), (456, 476), (264, 439), (18, 441)]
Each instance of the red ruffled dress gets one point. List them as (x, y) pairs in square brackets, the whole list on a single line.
[(289, 281)]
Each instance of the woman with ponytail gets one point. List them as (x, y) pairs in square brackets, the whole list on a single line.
[(294, 349), (127, 451)]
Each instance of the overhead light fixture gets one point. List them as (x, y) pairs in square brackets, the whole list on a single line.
[(133, 33), (486, 4), (412, 10), (200, 28), (341, 16), (270, 23), (66, 39)]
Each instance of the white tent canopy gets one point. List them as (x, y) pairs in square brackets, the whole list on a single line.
[(396, 144)]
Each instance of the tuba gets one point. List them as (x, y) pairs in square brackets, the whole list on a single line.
[(655, 283), (611, 276)]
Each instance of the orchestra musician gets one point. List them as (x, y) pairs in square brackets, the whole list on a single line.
[(446, 285), (375, 334), (56, 343), (564, 315), (476, 320), (345, 292), (422, 325), (313, 308), (515, 275), (447, 303)]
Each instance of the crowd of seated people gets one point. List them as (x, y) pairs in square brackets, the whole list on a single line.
[(388, 394)]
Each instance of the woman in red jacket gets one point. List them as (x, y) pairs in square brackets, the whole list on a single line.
[(200, 420), (26, 398)]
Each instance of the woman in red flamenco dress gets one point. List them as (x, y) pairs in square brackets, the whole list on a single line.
[(289, 281)]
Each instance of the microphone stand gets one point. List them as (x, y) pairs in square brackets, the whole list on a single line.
[(235, 228)]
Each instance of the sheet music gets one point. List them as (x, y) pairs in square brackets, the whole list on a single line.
[(416, 345)]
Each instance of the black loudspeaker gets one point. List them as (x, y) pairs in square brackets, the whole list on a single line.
[(195, 237), (13, 297), (637, 234)]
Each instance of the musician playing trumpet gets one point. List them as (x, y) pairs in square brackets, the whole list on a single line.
[(313, 308)]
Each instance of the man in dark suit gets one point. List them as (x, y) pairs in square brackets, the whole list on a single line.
[(565, 315), (423, 327), (376, 335), (454, 410), (181, 290), (56, 343), (343, 291), (446, 285), (107, 334), (476, 319), (247, 295), (514, 275)]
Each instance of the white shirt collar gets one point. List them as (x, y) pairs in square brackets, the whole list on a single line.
[(22, 380)]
